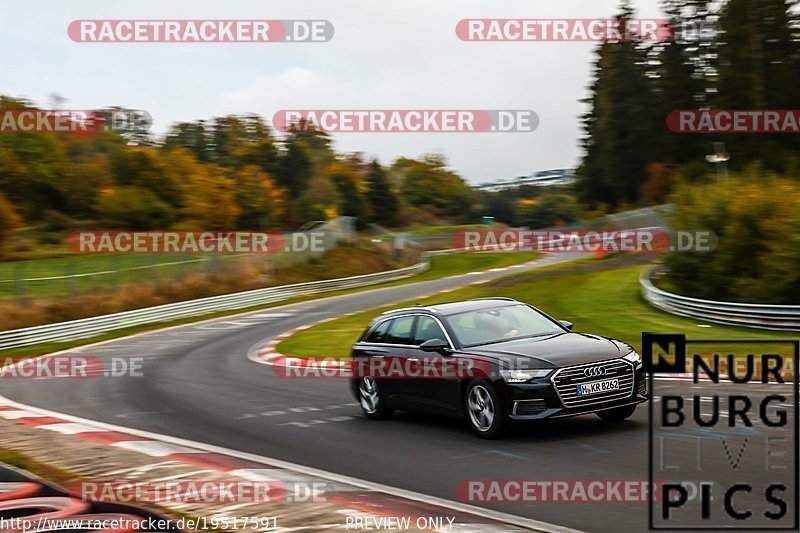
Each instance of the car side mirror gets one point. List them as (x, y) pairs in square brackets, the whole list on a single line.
[(567, 324), (434, 345)]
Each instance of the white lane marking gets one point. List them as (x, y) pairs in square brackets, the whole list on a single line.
[(155, 448), (489, 514), (289, 410), (317, 422), (69, 428), (224, 326)]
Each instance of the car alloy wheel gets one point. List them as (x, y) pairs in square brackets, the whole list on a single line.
[(368, 395), (481, 408)]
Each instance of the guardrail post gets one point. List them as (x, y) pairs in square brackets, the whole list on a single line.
[(20, 267), (72, 281)]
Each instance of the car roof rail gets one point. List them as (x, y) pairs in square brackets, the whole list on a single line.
[(406, 309), (504, 298)]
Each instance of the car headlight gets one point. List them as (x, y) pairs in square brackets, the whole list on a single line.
[(633, 357), (521, 376)]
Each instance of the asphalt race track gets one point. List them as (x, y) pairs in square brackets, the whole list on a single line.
[(199, 384)]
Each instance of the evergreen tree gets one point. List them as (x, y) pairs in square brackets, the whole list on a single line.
[(294, 168), (759, 68), (621, 127), (681, 75), (382, 201), (192, 136)]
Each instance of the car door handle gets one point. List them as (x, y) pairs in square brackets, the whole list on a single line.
[(377, 353), (414, 359)]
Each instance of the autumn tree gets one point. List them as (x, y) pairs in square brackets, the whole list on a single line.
[(350, 203), (8, 221), (429, 185), (260, 200)]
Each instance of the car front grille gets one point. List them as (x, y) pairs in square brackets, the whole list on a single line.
[(567, 380)]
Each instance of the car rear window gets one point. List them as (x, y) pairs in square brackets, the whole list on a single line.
[(379, 333)]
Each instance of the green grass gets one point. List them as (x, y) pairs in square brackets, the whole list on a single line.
[(426, 230), (441, 267), (434, 237), (605, 302), (114, 270)]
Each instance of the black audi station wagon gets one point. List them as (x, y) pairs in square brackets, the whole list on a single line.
[(491, 361)]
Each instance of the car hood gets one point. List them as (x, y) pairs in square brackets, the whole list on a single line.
[(561, 349)]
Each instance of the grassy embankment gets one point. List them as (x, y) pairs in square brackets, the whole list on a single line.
[(600, 297)]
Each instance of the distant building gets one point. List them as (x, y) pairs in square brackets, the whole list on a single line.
[(543, 178)]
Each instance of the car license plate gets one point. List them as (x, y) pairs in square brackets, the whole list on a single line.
[(596, 387)]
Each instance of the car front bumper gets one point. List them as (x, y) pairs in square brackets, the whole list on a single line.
[(540, 399)]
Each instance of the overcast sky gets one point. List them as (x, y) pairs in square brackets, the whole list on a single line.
[(386, 54)]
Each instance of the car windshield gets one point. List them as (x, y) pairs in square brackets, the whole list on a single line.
[(498, 324)]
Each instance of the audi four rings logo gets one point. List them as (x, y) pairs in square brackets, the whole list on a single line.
[(594, 371)]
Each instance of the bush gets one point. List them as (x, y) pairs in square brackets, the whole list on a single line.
[(136, 209), (758, 225), (551, 209)]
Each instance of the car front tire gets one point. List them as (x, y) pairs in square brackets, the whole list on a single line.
[(617, 414), (484, 412), (369, 398)]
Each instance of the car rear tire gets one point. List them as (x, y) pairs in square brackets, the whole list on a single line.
[(617, 414), (369, 398), (484, 412)]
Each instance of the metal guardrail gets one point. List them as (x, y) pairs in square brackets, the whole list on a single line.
[(29, 278), (90, 327), (776, 317)]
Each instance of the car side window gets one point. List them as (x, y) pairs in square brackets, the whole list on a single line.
[(379, 333), (428, 329), (400, 331)]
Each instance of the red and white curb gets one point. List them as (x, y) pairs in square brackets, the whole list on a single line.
[(266, 353), (46, 420), (355, 497)]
